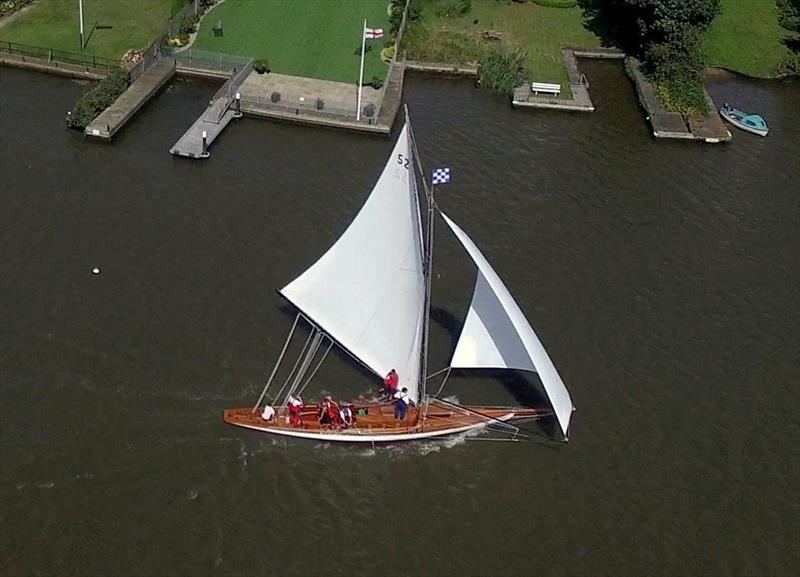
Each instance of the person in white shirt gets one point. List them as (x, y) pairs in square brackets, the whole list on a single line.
[(401, 402), (268, 414)]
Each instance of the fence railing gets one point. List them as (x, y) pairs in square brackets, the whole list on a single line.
[(307, 108), (52, 55), (215, 61), (227, 92), (149, 57), (398, 39), (175, 21)]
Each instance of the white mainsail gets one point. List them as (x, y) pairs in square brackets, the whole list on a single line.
[(368, 290), (496, 334)]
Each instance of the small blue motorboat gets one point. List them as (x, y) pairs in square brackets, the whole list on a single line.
[(749, 122)]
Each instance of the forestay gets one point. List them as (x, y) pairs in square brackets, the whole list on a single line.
[(497, 335), (368, 290)]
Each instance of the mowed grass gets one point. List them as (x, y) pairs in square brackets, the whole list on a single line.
[(312, 38), (745, 37), (55, 24), (539, 31)]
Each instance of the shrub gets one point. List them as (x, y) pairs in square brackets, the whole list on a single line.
[(387, 53), (319, 104), (99, 98), (9, 6), (396, 8), (376, 82), (261, 65), (178, 41), (275, 97), (189, 23), (502, 71), (685, 97), (676, 66), (454, 8), (369, 110)]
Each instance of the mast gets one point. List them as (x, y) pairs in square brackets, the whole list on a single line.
[(428, 266)]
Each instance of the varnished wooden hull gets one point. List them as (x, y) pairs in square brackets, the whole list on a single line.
[(378, 425)]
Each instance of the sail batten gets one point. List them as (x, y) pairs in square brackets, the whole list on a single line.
[(496, 334), (367, 291)]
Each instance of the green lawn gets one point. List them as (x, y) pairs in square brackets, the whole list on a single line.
[(55, 24), (540, 31), (313, 38), (745, 37)]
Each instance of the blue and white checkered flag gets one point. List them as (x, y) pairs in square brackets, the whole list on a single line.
[(441, 176)]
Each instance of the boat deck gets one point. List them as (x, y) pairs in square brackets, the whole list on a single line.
[(377, 420)]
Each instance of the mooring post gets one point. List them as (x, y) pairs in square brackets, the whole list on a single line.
[(238, 103), (205, 143)]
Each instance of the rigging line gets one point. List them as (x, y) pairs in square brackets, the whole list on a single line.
[(443, 381), (487, 417), (340, 346), (312, 351), (439, 372), (277, 363), (417, 159), (319, 364), (297, 362)]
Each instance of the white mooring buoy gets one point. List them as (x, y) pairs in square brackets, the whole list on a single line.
[(95, 270)]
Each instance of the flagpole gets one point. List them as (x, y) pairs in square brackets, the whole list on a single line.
[(80, 11), (361, 73)]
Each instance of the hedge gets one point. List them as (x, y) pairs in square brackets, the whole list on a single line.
[(99, 98)]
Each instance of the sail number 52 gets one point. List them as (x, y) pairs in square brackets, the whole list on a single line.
[(402, 161)]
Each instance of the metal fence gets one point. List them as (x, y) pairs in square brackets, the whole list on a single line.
[(214, 61), (149, 57), (227, 92), (52, 55), (175, 21)]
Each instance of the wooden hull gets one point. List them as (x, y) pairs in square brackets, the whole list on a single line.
[(378, 425)]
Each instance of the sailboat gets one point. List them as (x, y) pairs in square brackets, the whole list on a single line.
[(369, 295)]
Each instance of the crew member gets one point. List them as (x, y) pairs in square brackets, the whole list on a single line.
[(390, 383), (401, 402), (268, 414), (295, 405)]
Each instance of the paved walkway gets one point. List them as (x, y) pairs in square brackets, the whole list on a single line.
[(301, 95), (52, 66), (143, 89)]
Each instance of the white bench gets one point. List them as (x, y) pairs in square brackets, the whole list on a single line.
[(537, 87)]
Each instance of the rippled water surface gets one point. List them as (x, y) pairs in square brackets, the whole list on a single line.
[(662, 277)]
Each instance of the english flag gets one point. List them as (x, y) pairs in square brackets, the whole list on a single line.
[(372, 33)]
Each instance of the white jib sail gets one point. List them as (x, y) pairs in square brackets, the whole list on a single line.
[(368, 290), (496, 334)]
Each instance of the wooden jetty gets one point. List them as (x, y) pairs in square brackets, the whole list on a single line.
[(707, 128), (579, 86), (137, 95)]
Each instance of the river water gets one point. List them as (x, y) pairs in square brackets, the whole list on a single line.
[(662, 277)]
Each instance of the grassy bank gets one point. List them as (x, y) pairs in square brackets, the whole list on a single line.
[(745, 37), (121, 25), (539, 31), (313, 38)]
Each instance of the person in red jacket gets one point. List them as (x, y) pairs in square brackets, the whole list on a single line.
[(390, 383)]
